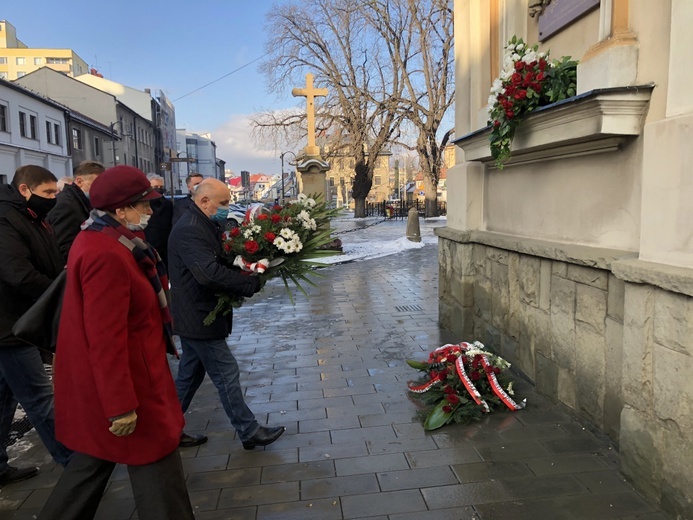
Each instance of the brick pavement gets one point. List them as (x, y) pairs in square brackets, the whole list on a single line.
[(332, 370)]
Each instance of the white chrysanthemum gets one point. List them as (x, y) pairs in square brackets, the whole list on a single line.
[(520, 46), (296, 242), (256, 228), (301, 197), (248, 233), (497, 86), (287, 233), (309, 203), (510, 388)]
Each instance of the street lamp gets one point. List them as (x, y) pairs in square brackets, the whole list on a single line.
[(282, 159)]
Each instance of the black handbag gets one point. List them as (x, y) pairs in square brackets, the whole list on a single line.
[(39, 324)]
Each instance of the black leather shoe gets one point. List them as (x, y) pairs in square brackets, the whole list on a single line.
[(264, 437), (188, 441), (13, 474)]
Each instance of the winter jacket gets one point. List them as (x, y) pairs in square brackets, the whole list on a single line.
[(29, 260), (111, 357), (159, 227), (180, 208), (71, 209), (198, 276)]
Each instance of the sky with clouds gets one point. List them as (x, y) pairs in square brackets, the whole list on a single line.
[(176, 47)]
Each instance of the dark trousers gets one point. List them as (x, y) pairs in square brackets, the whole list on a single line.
[(159, 489)]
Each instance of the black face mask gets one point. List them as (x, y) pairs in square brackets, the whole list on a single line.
[(40, 205), (161, 191)]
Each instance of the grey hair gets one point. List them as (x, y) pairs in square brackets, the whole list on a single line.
[(154, 177)]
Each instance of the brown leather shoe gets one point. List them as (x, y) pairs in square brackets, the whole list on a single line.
[(188, 441)]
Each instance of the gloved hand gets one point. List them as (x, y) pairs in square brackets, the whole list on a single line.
[(124, 425), (250, 286)]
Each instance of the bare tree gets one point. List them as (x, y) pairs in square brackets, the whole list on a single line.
[(425, 51), (331, 39)]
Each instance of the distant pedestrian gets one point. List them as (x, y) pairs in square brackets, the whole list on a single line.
[(62, 181), (29, 261), (197, 277), (73, 206), (159, 227), (181, 205), (115, 397)]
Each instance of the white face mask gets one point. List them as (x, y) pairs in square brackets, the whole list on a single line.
[(144, 220)]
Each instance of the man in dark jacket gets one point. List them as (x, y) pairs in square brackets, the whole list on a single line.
[(181, 206), (29, 261), (159, 227), (197, 278), (73, 206)]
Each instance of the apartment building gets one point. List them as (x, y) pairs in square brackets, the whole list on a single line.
[(32, 131), (18, 60)]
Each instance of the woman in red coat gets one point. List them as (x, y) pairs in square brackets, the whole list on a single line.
[(115, 401)]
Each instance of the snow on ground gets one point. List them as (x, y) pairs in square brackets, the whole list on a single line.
[(374, 237)]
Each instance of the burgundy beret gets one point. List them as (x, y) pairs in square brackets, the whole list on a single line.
[(119, 187)]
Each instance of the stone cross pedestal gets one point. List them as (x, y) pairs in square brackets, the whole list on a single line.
[(312, 167)]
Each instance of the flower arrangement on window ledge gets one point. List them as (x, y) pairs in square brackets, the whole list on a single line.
[(528, 81), (461, 383)]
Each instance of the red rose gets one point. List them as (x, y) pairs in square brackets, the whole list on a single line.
[(448, 389), (277, 208), (542, 64), (496, 370), (262, 216), (452, 399), (540, 76), (475, 375), (287, 218), (251, 246), (235, 232), (516, 78), (496, 124), (519, 65), (227, 246), (269, 236), (276, 219), (447, 408)]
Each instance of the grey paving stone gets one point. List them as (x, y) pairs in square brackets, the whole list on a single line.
[(298, 471), (385, 503), (210, 463), (459, 495), (372, 464), (339, 486), (416, 478), (258, 495), (333, 451), (204, 500), (573, 463), (512, 451), (223, 479), (441, 457), (259, 458), (362, 434), (483, 471), (331, 423), (540, 487), (329, 509), (458, 513), (378, 447)]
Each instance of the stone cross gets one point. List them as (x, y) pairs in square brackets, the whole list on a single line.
[(310, 93)]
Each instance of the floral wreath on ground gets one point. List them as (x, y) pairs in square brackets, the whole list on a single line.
[(461, 383), (528, 81), (280, 241)]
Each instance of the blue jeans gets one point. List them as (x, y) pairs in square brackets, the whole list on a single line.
[(215, 358), (23, 378)]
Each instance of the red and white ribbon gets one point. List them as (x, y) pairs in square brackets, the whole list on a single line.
[(258, 267)]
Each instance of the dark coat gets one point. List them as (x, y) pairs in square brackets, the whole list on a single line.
[(111, 357), (66, 217), (159, 227), (198, 275), (29, 260), (180, 207)]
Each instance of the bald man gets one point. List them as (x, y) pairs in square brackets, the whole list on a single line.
[(197, 278)]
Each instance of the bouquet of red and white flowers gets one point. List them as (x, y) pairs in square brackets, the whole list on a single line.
[(278, 241), (461, 383), (528, 80)]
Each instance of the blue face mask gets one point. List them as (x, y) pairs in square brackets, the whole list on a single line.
[(221, 215)]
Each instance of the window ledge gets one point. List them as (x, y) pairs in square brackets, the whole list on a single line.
[(593, 122)]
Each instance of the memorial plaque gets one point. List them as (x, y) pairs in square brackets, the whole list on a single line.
[(561, 13)]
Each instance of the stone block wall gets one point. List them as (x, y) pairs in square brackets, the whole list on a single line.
[(600, 331), (551, 319)]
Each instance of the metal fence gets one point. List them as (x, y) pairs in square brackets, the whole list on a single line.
[(400, 209)]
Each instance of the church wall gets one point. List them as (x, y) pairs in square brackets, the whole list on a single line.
[(578, 269)]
